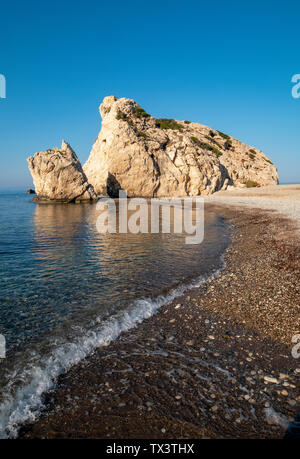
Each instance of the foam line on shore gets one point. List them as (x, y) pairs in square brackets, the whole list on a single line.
[(40, 376)]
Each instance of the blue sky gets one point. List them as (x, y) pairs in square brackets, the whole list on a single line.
[(224, 64)]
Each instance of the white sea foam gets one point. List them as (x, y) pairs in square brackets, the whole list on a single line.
[(25, 404), (276, 418)]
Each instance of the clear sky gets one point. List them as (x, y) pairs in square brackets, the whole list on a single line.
[(226, 64)]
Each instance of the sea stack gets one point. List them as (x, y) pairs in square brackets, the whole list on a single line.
[(58, 176), (164, 157)]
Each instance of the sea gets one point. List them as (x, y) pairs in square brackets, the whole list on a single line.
[(66, 289)]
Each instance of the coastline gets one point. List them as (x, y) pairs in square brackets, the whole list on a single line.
[(214, 363)]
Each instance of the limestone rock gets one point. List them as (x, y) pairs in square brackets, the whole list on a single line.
[(149, 157), (58, 176)]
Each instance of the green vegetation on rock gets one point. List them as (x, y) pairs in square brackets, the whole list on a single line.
[(121, 116), (268, 161), (142, 134), (251, 184), (139, 112), (206, 146), (210, 139), (166, 123), (224, 136)]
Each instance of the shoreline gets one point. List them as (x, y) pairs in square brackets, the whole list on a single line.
[(214, 363), (281, 199)]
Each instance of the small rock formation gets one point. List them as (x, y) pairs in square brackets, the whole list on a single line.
[(161, 157), (58, 176), (30, 191)]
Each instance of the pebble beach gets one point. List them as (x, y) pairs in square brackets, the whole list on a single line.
[(216, 362)]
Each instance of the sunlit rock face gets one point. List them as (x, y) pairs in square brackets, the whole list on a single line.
[(58, 176), (149, 157), (158, 157)]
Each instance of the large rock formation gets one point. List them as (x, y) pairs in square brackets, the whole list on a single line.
[(58, 176), (158, 157)]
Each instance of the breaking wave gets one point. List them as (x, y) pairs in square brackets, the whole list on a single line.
[(24, 403)]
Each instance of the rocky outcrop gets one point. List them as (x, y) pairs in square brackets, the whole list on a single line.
[(58, 176), (161, 157)]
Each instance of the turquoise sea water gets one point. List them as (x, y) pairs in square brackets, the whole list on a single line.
[(66, 289)]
